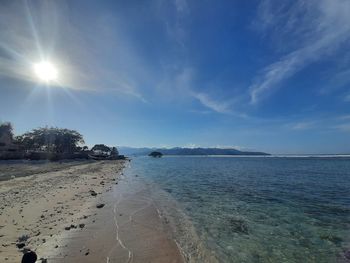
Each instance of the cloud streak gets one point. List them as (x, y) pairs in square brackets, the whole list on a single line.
[(217, 106), (323, 27)]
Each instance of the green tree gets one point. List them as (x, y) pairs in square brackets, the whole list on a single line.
[(51, 139), (6, 129), (114, 151), (101, 149)]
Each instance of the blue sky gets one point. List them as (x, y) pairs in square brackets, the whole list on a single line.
[(261, 75)]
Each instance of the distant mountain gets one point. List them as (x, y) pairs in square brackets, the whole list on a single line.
[(185, 151)]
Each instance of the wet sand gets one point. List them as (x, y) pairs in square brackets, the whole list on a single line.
[(56, 215)]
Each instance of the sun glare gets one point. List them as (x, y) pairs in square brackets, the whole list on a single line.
[(45, 71)]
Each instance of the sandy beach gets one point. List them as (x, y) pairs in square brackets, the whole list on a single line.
[(80, 212)]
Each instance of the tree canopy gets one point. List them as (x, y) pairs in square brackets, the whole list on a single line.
[(6, 129), (51, 139), (101, 149)]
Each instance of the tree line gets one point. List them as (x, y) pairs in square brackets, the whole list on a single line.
[(52, 140)]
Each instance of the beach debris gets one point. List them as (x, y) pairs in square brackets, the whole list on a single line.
[(81, 225), (23, 238), (43, 260), (93, 193), (67, 228), (100, 205), (29, 257), (20, 245)]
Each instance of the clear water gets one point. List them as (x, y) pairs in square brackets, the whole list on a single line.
[(255, 209)]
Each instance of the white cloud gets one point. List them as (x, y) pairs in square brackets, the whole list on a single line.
[(306, 125), (217, 106), (191, 146), (311, 29)]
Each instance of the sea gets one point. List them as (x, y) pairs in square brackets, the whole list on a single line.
[(253, 209)]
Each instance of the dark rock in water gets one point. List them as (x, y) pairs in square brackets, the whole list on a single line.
[(29, 257), (73, 226), (81, 225), (67, 228), (156, 154), (100, 205), (334, 239), (43, 260), (347, 254), (238, 225), (20, 245)]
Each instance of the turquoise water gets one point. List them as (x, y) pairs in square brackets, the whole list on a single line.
[(254, 209)]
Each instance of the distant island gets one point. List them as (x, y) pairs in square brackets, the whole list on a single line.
[(156, 154), (186, 151)]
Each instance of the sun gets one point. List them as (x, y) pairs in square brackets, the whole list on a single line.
[(45, 71)]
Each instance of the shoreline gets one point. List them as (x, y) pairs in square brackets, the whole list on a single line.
[(55, 214)]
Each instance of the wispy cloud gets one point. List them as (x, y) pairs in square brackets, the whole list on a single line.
[(182, 6), (315, 29), (305, 125), (217, 106), (343, 127), (347, 97), (344, 117), (191, 145)]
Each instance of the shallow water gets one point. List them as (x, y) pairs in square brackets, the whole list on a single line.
[(259, 209)]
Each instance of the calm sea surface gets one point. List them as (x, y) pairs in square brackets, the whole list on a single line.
[(253, 209)]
